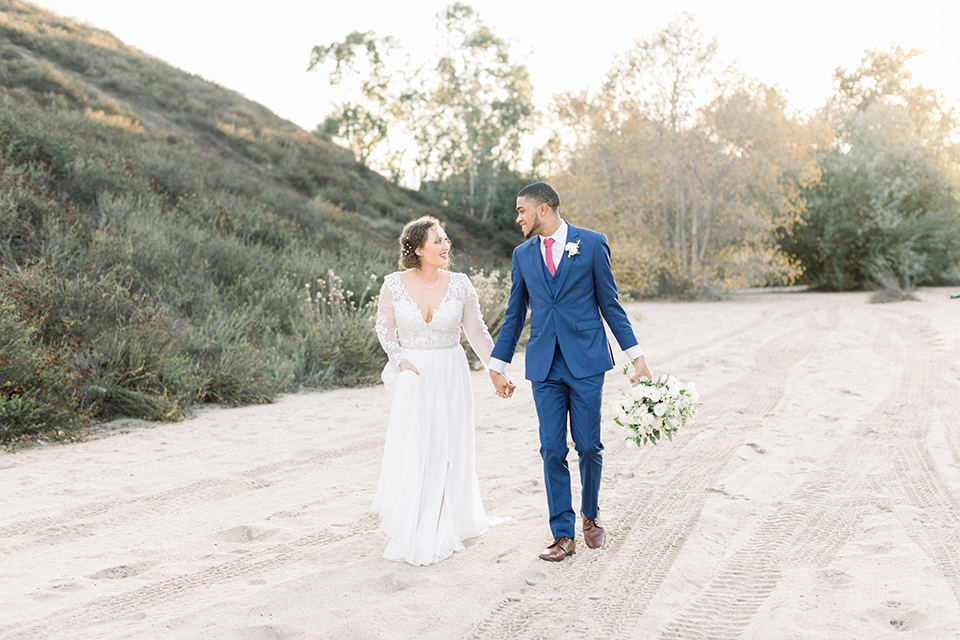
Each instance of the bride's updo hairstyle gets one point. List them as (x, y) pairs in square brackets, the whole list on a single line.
[(414, 236)]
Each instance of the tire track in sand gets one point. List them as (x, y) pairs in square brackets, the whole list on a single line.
[(934, 522), (652, 528), (179, 587), (808, 530), (47, 530)]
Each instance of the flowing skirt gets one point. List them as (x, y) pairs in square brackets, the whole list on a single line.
[(428, 497)]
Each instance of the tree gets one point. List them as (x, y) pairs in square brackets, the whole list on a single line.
[(471, 114), (466, 112), (888, 195), (688, 167), (363, 122)]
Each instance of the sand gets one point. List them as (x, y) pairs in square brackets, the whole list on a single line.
[(815, 496)]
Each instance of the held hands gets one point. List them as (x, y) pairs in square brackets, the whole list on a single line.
[(504, 387), (641, 370)]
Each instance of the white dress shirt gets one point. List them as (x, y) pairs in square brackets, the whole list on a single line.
[(560, 235)]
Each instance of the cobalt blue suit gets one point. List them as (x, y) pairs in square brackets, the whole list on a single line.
[(566, 357)]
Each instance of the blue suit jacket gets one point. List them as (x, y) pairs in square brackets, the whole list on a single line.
[(567, 314)]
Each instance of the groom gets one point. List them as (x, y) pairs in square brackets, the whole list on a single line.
[(562, 273)]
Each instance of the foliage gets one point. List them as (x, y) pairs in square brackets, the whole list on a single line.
[(465, 112), (339, 345), (651, 410), (362, 122), (889, 288), (156, 232), (471, 115), (688, 168), (888, 195), (39, 383)]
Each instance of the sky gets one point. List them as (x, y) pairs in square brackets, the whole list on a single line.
[(262, 49)]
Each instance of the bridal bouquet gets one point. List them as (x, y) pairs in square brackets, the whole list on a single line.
[(652, 410)]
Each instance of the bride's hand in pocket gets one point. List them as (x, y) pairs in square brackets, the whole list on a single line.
[(406, 366)]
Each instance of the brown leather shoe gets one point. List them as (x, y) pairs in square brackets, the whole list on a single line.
[(593, 533), (560, 549)]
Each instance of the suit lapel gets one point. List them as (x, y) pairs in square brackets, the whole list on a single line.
[(566, 262)]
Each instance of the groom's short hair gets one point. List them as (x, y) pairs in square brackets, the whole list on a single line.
[(541, 192)]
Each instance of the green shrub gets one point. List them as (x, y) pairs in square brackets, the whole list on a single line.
[(39, 383), (885, 196), (337, 343), (168, 226), (233, 367)]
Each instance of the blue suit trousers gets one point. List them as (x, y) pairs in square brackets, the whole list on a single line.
[(558, 397)]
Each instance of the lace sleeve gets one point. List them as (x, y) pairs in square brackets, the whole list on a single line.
[(387, 325), (473, 325)]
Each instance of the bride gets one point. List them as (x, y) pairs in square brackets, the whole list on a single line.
[(428, 496)]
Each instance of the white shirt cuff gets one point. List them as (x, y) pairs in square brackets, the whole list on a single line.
[(497, 365), (634, 352)]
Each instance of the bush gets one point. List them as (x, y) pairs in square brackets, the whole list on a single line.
[(232, 366), (886, 196), (39, 383), (168, 225), (337, 344)]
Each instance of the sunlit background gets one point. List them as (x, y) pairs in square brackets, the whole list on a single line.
[(173, 243), (261, 49)]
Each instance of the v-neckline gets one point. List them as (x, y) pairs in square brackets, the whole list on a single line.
[(433, 316)]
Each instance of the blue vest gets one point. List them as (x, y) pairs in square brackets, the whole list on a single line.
[(551, 279)]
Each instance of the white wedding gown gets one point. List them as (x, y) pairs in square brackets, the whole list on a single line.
[(428, 496)]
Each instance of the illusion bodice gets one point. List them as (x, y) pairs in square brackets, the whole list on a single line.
[(401, 325)]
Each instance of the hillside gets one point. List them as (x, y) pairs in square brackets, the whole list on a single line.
[(75, 70), (165, 241)]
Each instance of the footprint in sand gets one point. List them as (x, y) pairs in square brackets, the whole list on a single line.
[(69, 585), (264, 632), (244, 533), (901, 618), (533, 577), (56, 590), (119, 572), (835, 577), (393, 584)]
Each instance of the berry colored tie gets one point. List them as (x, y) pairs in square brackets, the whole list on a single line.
[(548, 243)]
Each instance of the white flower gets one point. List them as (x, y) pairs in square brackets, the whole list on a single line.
[(572, 248), (657, 410)]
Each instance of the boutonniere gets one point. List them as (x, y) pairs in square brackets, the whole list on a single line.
[(572, 248)]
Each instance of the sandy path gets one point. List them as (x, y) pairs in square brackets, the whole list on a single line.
[(814, 497)]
